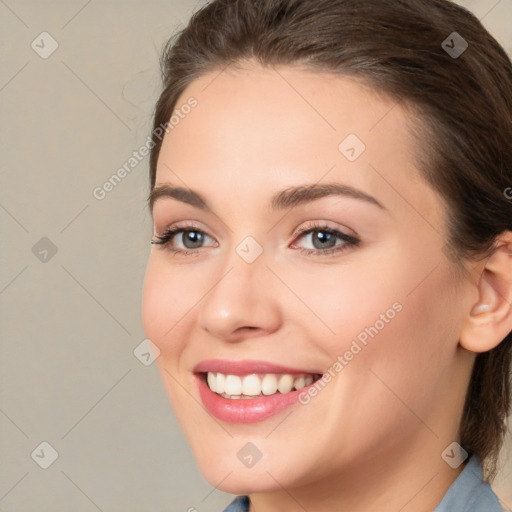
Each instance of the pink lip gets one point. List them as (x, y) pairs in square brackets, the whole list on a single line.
[(240, 410), (250, 410), (246, 367)]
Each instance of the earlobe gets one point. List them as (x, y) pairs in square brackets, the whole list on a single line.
[(490, 318), (480, 308)]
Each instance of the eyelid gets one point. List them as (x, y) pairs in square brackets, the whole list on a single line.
[(322, 224)]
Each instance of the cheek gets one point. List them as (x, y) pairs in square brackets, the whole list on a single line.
[(169, 295), (408, 359), (398, 320), (340, 301), (166, 299), (401, 302)]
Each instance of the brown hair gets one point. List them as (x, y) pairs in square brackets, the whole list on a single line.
[(464, 103)]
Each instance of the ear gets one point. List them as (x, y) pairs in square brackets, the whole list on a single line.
[(490, 318)]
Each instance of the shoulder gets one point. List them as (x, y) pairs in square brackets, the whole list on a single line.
[(469, 493), (239, 504)]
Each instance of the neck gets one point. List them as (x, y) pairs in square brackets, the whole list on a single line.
[(414, 481)]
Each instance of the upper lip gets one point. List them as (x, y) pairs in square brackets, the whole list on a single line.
[(246, 367)]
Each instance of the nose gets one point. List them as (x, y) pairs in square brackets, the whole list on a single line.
[(243, 301)]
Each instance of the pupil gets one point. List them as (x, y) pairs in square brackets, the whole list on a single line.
[(195, 238), (324, 238)]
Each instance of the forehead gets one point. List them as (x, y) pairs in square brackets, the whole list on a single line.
[(249, 108), (288, 101)]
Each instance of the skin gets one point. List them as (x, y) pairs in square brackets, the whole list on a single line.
[(372, 439)]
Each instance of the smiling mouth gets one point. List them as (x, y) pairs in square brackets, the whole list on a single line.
[(257, 385)]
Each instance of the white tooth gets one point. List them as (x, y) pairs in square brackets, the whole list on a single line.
[(299, 382), (269, 384), (225, 395), (211, 381), (251, 385), (220, 383), (285, 383), (236, 387), (233, 385)]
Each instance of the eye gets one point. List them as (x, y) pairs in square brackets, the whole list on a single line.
[(191, 238), (325, 240)]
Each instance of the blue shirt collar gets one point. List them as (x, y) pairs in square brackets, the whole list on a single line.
[(469, 492)]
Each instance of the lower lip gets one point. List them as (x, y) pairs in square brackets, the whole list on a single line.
[(251, 410)]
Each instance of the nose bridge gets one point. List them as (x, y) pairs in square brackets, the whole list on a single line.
[(244, 266), (241, 294)]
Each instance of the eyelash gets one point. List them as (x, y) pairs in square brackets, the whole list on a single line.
[(350, 241)]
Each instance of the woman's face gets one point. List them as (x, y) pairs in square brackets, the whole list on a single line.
[(365, 294)]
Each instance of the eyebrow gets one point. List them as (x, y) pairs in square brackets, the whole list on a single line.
[(288, 198)]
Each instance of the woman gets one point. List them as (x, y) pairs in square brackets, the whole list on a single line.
[(330, 281)]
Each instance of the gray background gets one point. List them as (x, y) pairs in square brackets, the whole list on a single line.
[(71, 320)]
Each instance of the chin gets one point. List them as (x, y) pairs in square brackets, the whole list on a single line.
[(242, 480), (223, 466)]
